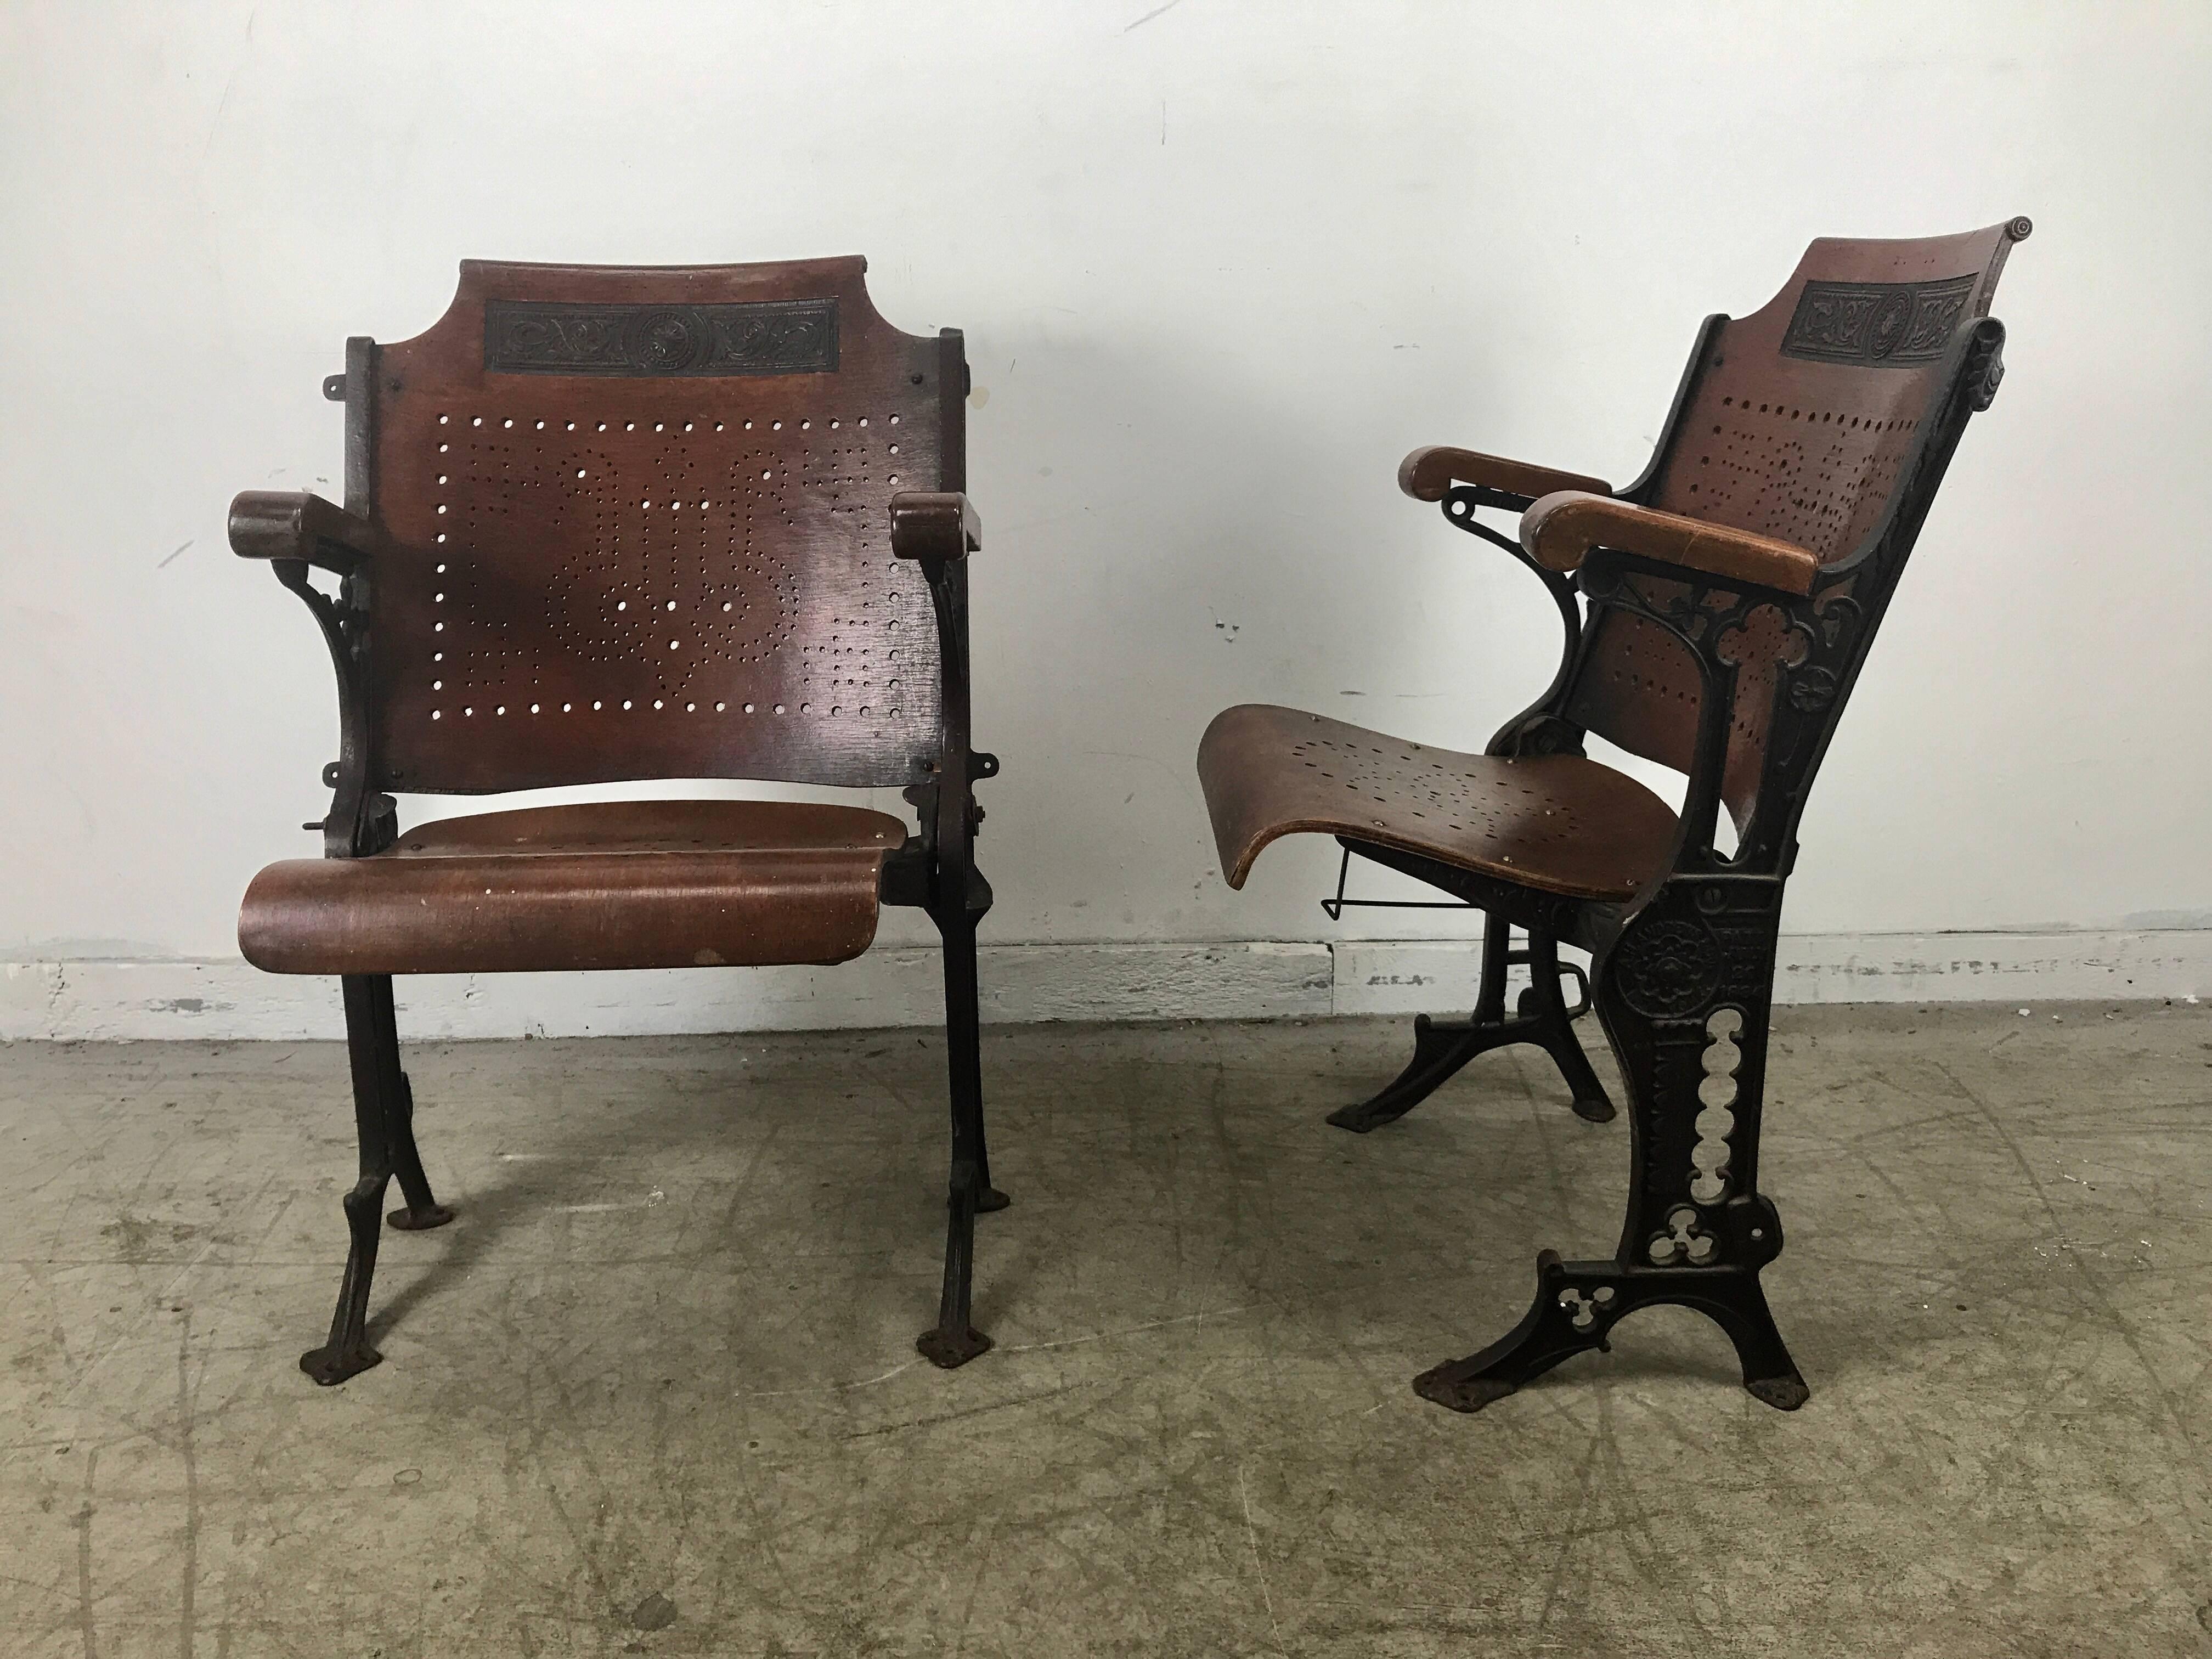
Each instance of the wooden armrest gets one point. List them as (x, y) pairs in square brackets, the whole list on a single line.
[(1426, 474), (932, 524), (1561, 529), (270, 524)]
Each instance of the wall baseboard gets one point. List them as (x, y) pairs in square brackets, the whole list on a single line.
[(1412, 976), (108, 1000)]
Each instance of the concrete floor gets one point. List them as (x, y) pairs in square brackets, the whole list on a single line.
[(655, 1391)]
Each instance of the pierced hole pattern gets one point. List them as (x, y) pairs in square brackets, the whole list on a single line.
[(1819, 477), (1421, 783), (1717, 1093), (1583, 1311), (1683, 1240), (694, 591), (1551, 821), (714, 525), (1557, 823), (1811, 452)]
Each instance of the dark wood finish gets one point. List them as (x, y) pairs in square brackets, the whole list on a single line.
[(1720, 611), (1558, 823), (1560, 530), (1808, 451), (645, 885), (1426, 474), (609, 524), (598, 577), (934, 525), (277, 525)]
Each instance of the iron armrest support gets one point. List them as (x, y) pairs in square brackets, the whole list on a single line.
[(1537, 729), (294, 532), (938, 529), (937, 525), (1428, 475)]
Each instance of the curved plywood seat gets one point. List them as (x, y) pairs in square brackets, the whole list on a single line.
[(1558, 822), (611, 885)]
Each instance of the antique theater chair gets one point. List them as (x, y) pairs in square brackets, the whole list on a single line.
[(1727, 599), (607, 524)]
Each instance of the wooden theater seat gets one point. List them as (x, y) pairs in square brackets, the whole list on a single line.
[(605, 524), (1715, 615)]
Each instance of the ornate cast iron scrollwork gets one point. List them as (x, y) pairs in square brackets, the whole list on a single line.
[(1690, 966), (1812, 690), (1667, 969)]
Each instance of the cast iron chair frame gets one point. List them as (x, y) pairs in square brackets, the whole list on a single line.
[(1682, 974)]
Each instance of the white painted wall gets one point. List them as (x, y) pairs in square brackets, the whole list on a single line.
[(1219, 265)]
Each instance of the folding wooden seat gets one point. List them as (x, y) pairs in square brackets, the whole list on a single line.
[(608, 523), (1717, 612)]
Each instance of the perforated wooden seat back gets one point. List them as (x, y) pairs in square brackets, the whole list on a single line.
[(1798, 422), (640, 528)]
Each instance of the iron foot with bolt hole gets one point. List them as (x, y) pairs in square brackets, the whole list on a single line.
[(1578, 1303), (949, 1349)]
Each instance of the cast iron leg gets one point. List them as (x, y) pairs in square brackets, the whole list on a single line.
[(1578, 1303), (954, 1341), (1441, 1048), (346, 1354), (381, 1108), (1554, 1028), (1688, 1017), (423, 1212)]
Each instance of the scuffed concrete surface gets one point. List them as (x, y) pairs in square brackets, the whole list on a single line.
[(655, 1391)]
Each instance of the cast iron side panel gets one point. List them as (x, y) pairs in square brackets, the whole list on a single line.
[(640, 522)]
